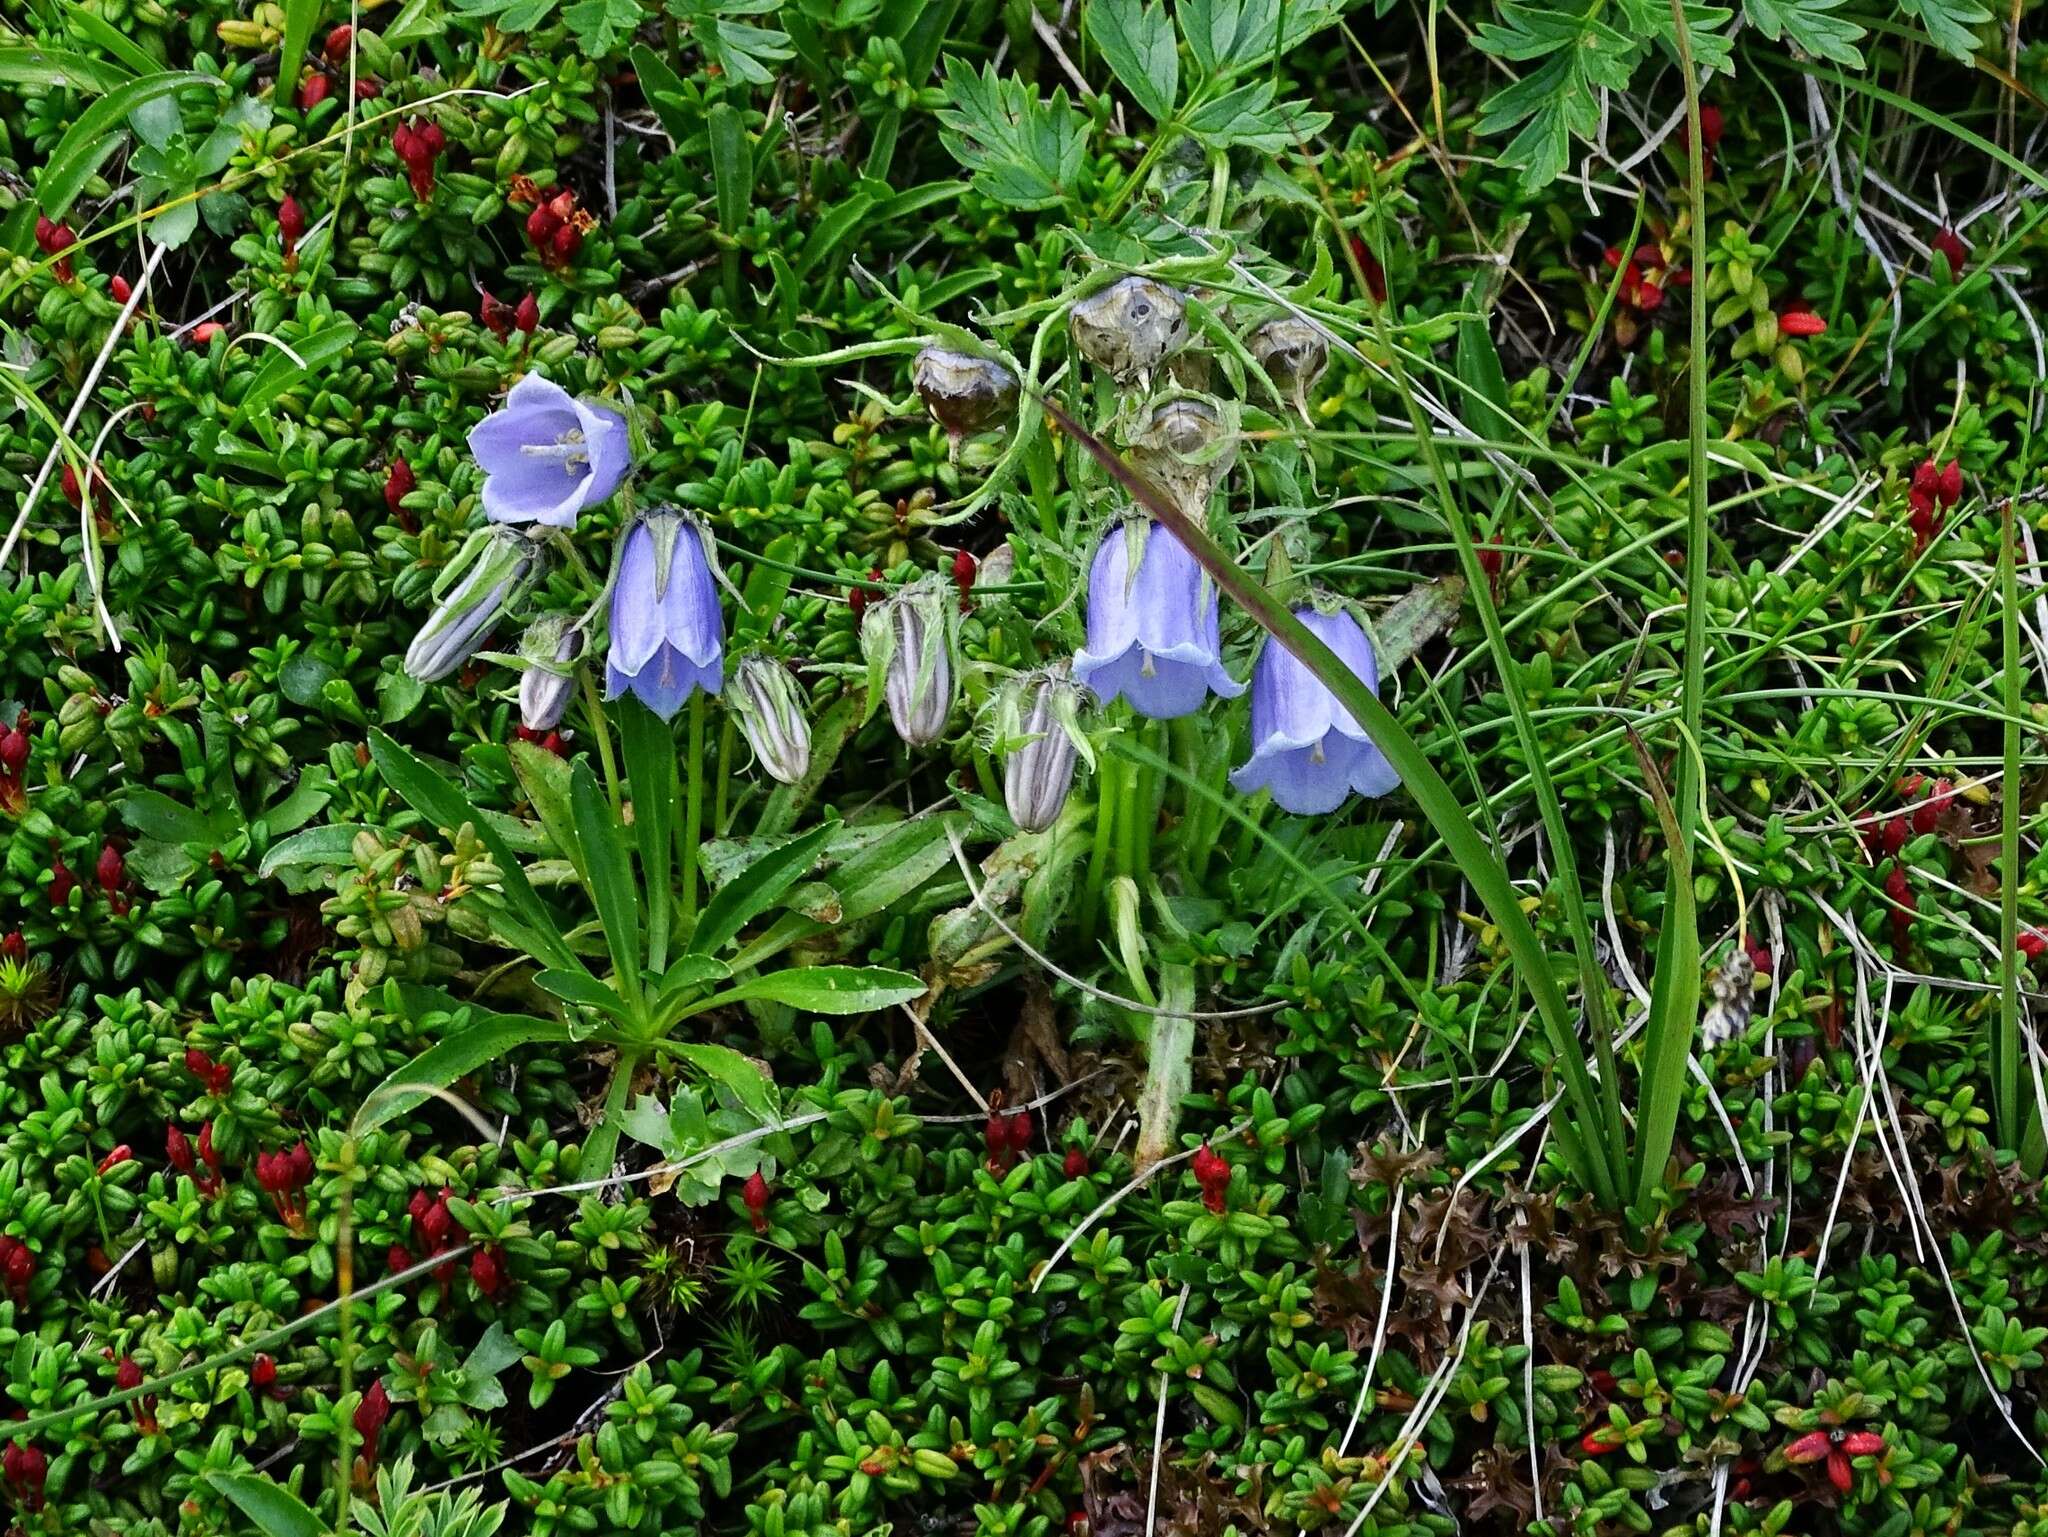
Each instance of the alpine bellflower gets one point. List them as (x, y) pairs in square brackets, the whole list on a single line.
[(480, 584), (668, 637), (907, 641), (1038, 718), (765, 700), (547, 455), (1306, 748), (1153, 627)]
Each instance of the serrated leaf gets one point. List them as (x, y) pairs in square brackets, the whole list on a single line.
[(1809, 25), (1138, 45), (600, 25), (1952, 24), (1022, 151)]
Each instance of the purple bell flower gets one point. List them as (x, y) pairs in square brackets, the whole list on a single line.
[(1306, 748), (547, 455), (668, 636), (1152, 630)]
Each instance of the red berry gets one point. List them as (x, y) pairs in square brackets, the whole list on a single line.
[(262, 1373), (313, 90)]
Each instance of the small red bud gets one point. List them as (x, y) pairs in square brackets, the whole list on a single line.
[(1076, 1163), (120, 288), (62, 882), (567, 241), (755, 1194), (541, 225), (313, 90), (204, 333), (291, 223), (120, 1155), (109, 869), (1949, 489), (397, 1258), (338, 41), (398, 483), (1799, 319), (486, 1271), (69, 483), (2031, 943), (262, 1373), (527, 315), (178, 1148), (1949, 246), (128, 1374), (370, 1416), (496, 314), (207, 1155)]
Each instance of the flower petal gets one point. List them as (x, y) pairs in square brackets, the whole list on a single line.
[(637, 628), (1307, 781), (1112, 620), (611, 453)]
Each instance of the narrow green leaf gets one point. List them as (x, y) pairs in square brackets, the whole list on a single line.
[(545, 779), (732, 166), (611, 877), (446, 807), (58, 68), (748, 895), (276, 1511), (821, 990), (487, 1037), (580, 987), (724, 1066), (300, 17), (331, 845), (284, 372)]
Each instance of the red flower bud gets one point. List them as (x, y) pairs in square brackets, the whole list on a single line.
[(204, 333), (62, 881), (262, 1373), (2031, 943), (313, 90), (1594, 1443), (108, 870), (17, 1268), (1076, 1163), (120, 288), (541, 225), (207, 1155), (755, 1194), (13, 751), (69, 482), (397, 1258), (1863, 1443), (1892, 836), (486, 1270), (1017, 1131), (1926, 478), (367, 88), (13, 947), (1649, 296), (527, 315), (1949, 490), (1840, 1474), (128, 1374), (371, 1414), (178, 1148), (1949, 245), (120, 1155), (338, 41), (859, 594), (291, 223), (432, 139), (495, 313), (1368, 264), (24, 1468), (398, 483), (564, 245), (963, 571)]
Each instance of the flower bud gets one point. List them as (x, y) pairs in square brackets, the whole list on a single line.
[(964, 393), (483, 581), (770, 709), (1131, 327), (526, 314), (907, 641), (551, 647), (1038, 730)]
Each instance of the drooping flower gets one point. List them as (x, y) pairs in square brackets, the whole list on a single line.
[(1306, 747), (764, 699), (480, 584), (964, 393), (668, 636), (908, 643), (1130, 327), (1037, 720), (547, 455), (1153, 628)]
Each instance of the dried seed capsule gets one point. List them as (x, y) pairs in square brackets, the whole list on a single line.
[(1131, 327), (1293, 354), (965, 394)]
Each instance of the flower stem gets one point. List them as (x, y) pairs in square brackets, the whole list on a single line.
[(719, 797), (593, 708)]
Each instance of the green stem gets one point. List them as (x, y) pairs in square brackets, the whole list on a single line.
[(693, 807), (1107, 778), (718, 799), (345, 1287), (593, 711), (602, 1146)]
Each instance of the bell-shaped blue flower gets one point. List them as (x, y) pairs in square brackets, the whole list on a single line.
[(668, 636), (547, 455), (1152, 625), (1306, 748)]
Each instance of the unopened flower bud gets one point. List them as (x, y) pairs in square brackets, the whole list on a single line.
[(1038, 730), (483, 581), (770, 709), (964, 393), (551, 647), (907, 641)]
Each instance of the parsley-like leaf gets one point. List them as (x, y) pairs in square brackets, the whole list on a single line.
[(1023, 152), (1951, 23), (602, 25), (1137, 43), (1810, 25)]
